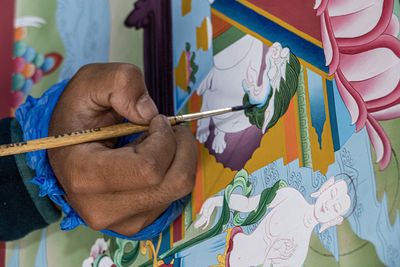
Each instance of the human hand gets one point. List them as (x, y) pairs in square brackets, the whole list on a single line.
[(121, 189)]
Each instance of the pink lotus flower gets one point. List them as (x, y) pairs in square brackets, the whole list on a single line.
[(362, 50)]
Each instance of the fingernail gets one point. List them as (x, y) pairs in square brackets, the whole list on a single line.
[(146, 107)]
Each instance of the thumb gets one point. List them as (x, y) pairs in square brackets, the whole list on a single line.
[(132, 100)]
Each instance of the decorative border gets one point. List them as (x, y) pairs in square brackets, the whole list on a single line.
[(263, 28), (301, 55), (7, 12), (281, 22)]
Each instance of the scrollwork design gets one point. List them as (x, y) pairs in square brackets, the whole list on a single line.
[(120, 254), (271, 174)]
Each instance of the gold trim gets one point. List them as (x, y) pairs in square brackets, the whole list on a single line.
[(148, 246), (310, 66), (171, 235), (298, 128), (240, 26), (268, 42), (308, 108), (281, 22), (221, 258)]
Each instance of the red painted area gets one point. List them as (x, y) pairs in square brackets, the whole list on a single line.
[(298, 13), (219, 25), (7, 12), (2, 254), (177, 229)]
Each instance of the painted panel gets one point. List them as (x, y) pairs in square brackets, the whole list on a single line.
[(309, 176)]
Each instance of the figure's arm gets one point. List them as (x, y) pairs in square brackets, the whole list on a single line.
[(242, 203), (236, 202), (22, 210)]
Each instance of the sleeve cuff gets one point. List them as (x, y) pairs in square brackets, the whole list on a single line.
[(45, 207), (18, 213)]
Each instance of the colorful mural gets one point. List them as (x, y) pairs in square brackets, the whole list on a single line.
[(29, 65), (310, 176)]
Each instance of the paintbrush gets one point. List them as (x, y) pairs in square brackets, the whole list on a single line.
[(103, 133)]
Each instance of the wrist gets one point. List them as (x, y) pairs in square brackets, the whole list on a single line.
[(34, 118)]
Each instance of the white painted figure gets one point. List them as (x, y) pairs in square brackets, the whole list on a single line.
[(246, 66), (282, 238)]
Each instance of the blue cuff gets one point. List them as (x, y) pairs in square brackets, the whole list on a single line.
[(34, 117)]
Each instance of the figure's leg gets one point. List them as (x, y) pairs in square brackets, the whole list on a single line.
[(203, 130), (219, 143)]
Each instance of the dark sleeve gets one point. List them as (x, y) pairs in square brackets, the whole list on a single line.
[(21, 209)]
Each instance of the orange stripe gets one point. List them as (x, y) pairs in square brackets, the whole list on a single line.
[(290, 134), (198, 192)]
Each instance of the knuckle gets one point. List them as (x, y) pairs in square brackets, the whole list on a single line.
[(86, 68), (73, 186), (185, 134), (73, 183), (95, 219), (150, 171), (134, 227), (166, 137), (185, 182), (182, 130), (125, 73)]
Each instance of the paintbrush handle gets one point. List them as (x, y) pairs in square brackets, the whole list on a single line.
[(103, 133), (74, 138)]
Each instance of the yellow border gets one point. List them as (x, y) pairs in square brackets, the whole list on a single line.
[(240, 26), (171, 235), (280, 22), (268, 42), (315, 69), (183, 228)]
